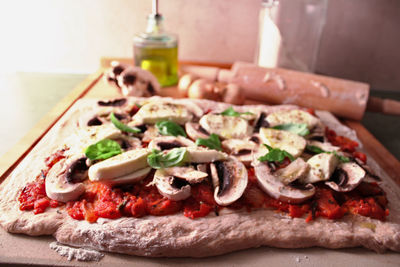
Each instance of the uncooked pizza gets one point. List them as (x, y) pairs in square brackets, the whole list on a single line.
[(194, 178)]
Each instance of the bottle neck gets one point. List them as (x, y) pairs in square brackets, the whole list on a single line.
[(155, 24)]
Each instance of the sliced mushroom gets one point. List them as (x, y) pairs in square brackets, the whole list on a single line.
[(322, 166), (195, 131), (170, 142), (205, 155), (135, 81), (202, 167), (171, 187), (128, 143), (150, 133), (112, 74), (189, 174), (226, 126), (346, 177), (230, 180), (64, 180), (273, 186), (119, 165), (241, 149), (261, 122)]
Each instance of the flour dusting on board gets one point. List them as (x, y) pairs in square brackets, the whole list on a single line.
[(80, 254)]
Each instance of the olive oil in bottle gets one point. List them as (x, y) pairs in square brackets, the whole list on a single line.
[(157, 51)]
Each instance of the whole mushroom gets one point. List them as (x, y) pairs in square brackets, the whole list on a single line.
[(135, 81)]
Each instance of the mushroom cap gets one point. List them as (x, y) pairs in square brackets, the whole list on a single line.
[(194, 131), (171, 187), (241, 149), (189, 174), (57, 185), (346, 177), (135, 81), (230, 180), (169, 142), (273, 186)]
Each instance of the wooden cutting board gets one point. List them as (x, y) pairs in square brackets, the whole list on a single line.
[(33, 250)]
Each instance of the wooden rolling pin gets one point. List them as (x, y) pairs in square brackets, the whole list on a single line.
[(345, 98)]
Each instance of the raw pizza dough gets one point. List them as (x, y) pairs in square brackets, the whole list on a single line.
[(178, 236)]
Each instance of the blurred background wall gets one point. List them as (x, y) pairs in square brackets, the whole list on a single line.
[(360, 40)]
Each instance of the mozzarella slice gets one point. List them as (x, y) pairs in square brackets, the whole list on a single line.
[(284, 140), (153, 112), (292, 116), (321, 167), (226, 126), (120, 165), (204, 155)]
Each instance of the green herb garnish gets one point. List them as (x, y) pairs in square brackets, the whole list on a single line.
[(170, 128), (212, 142), (314, 149), (158, 160), (297, 128), (231, 112), (317, 150), (275, 154), (341, 158), (125, 128), (103, 149)]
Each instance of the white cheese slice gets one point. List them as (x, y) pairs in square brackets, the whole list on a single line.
[(154, 111), (119, 165), (292, 116), (284, 140), (226, 126), (321, 167)]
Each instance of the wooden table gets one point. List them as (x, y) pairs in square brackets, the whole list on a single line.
[(93, 86)]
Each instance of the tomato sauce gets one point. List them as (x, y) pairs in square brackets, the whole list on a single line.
[(141, 199)]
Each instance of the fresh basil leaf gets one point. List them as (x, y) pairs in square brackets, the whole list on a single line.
[(103, 149), (318, 150), (158, 160), (122, 126), (170, 128), (212, 142), (297, 128), (314, 149), (275, 154), (340, 157), (231, 112)]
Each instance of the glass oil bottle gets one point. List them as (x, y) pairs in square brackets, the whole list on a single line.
[(156, 50)]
